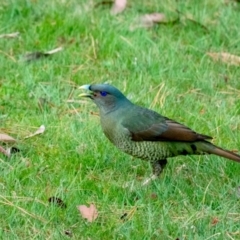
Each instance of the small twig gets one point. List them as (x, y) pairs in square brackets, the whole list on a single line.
[(37, 55), (94, 47), (10, 35), (9, 56), (7, 202), (54, 51), (229, 236), (156, 98)]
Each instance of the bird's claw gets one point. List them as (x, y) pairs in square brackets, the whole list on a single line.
[(148, 180)]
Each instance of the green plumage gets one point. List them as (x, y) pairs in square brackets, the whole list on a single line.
[(146, 134)]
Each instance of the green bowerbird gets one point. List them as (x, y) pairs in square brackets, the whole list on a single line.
[(144, 133)]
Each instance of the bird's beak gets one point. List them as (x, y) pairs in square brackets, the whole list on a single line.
[(85, 87)]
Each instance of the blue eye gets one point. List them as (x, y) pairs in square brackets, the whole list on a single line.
[(103, 93)]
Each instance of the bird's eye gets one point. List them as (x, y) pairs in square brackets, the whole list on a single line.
[(103, 93)]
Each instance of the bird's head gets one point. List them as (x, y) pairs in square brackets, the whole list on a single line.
[(105, 96)]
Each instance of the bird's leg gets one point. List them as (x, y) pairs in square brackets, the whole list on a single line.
[(157, 167)]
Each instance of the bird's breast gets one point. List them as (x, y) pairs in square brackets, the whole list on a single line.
[(114, 131)]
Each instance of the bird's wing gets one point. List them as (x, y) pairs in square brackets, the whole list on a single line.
[(147, 125)]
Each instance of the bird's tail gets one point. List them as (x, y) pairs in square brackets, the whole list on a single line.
[(212, 149)]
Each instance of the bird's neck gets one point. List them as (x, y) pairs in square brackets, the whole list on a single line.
[(115, 107)]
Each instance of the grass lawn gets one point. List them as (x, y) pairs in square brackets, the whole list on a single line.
[(165, 68)]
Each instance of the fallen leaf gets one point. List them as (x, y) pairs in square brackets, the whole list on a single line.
[(37, 55), (153, 18), (103, 3), (6, 152), (39, 131), (10, 35), (14, 150), (118, 6), (214, 221), (147, 20), (225, 57), (153, 196), (202, 111), (124, 216), (68, 233), (226, 78), (6, 138), (129, 214), (58, 201), (34, 56), (90, 213)]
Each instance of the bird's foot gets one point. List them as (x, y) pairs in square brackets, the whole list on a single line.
[(157, 167), (132, 185), (148, 180)]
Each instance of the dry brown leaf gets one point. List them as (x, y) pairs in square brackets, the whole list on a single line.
[(103, 3), (90, 213), (225, 57), (6, 138), (10, 35), (6, 152), (153, 18), (153, 196), (68, 233), (39, 131), (214, 221), (148, 20), (57, 201), (118, 6), (129, 214)]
